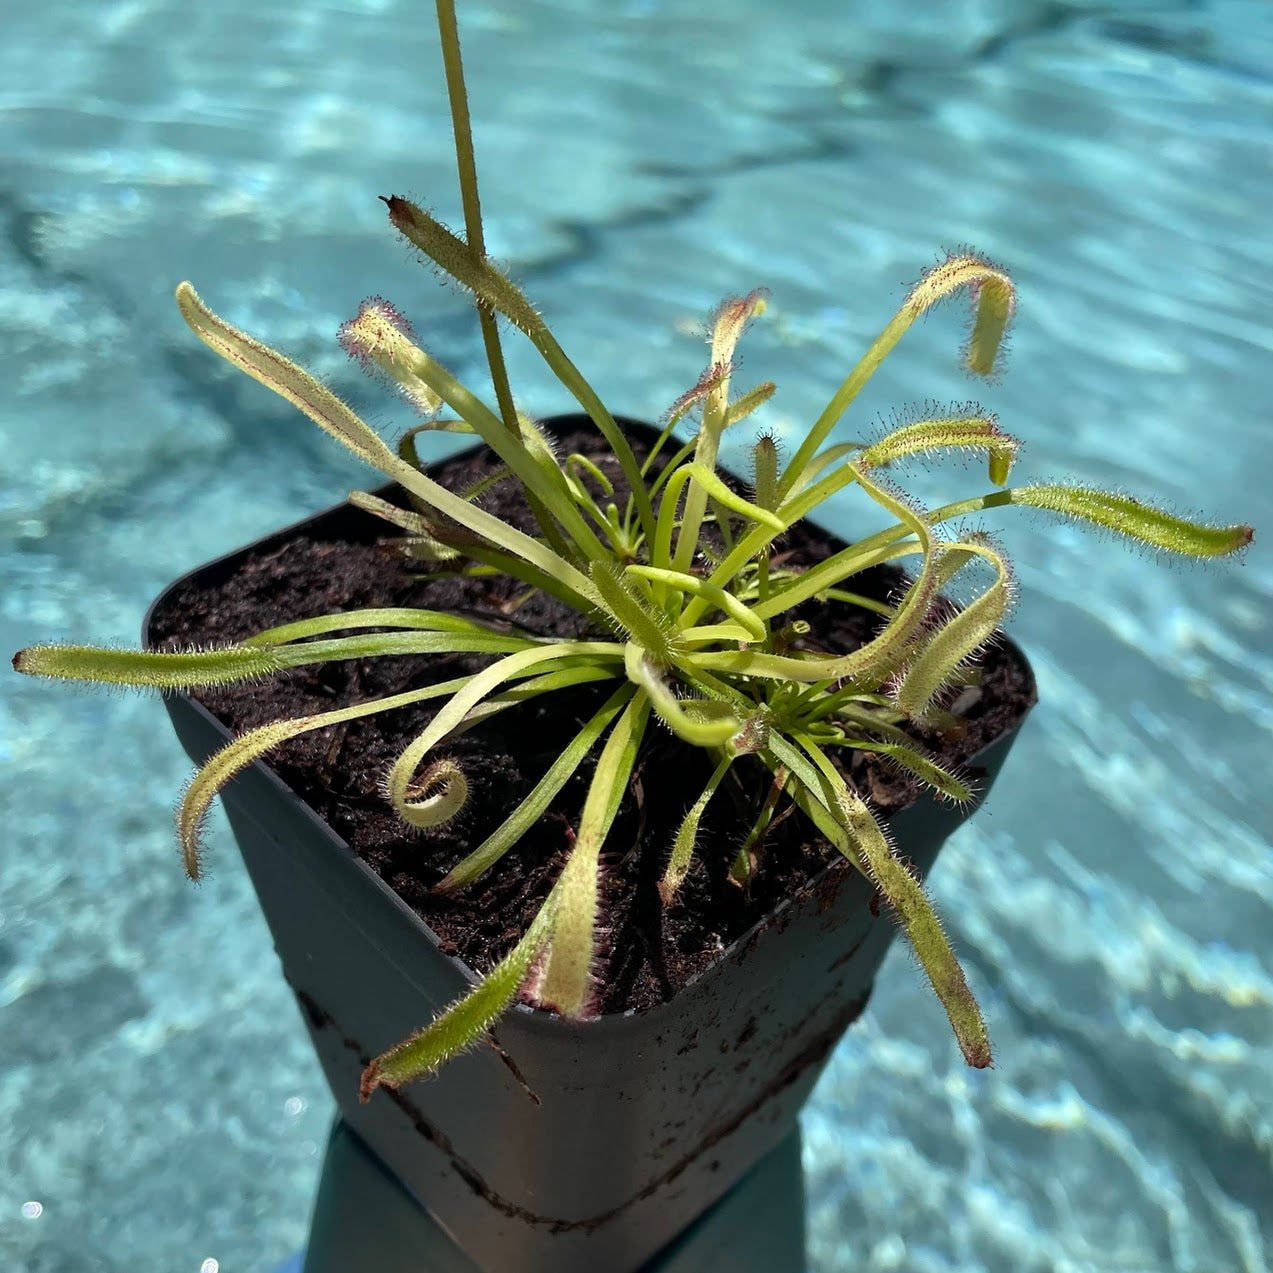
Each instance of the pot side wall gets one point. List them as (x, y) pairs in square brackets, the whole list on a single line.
[(571, 1145)]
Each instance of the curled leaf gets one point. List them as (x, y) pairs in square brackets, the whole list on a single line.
[(994, 302), (238, 754), (977, 431), (435, 797), (702, 722)]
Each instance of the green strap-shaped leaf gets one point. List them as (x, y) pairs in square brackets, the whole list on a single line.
[(707, 483), (1172, 534), (533, 807), (576, 462), (382, 617), (904, 893), (714, 633), (821, 462), (494, 291), (148, 669), (371, 645), (567, 979), (546, 683), (466, 1020), (923, 767), (289, 381), (764, 469), (753, 398), (468, 545), (324, 408), (468, 268), (857, 557), (526, 453), (649, 628), (672, 467), (744, 864), (857, 599), (564, 918), (683, 846), (878, 656), (811, 792), (1138, 521), (756, 541), (995, 302)]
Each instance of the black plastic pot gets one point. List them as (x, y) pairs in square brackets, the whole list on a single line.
[(364, 1219), (565, 1147)]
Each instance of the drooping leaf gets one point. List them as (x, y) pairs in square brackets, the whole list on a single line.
[(905, 894), (994, 302), (978, 431), (461, 1025)]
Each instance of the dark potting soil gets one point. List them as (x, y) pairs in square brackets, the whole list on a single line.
[(651, 952)]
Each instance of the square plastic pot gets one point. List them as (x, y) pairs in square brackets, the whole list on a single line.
[(563, 1146)]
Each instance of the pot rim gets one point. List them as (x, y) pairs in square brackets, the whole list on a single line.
[(226, 561)]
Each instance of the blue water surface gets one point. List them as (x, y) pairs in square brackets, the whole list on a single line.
[(641, 159)]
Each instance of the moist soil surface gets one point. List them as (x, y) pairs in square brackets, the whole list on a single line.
[(353, 561)]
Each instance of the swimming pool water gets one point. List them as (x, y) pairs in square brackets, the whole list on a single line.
[(641, 159)]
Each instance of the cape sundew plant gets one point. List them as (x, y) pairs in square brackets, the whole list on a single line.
[(698, 631)]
